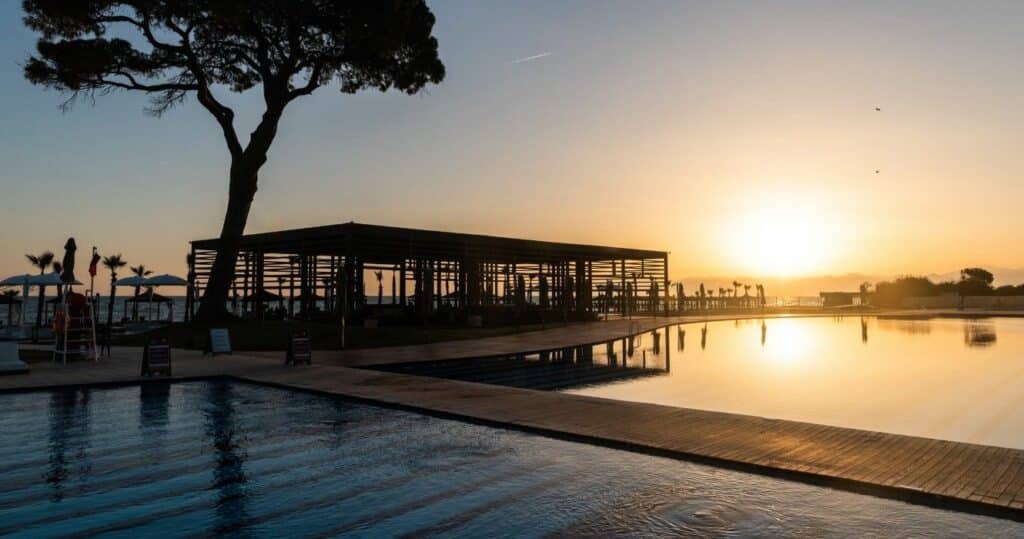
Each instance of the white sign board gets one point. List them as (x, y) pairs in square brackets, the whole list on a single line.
[(220, 341)]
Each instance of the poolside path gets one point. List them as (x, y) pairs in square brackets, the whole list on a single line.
[(964, 476)]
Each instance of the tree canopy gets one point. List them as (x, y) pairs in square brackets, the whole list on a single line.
[(980, 275), (182, 47), (973, 282), (172, 49)]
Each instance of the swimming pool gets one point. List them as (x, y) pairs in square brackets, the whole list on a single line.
[(948, 378), (219, 457)]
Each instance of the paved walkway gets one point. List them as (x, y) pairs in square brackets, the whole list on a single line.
[(964, 476)]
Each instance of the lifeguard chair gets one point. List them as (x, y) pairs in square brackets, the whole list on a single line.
[(74, 327)]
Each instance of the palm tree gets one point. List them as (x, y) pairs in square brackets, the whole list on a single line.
[(138, 271), (865, 288), (43, 262), (736, 288), (394, 294), (10, 295), (112, 263), (380, 286), (668, 294)]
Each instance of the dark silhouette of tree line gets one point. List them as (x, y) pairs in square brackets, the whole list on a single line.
[(972, 282)]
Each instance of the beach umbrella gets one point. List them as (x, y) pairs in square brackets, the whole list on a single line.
[(16, 280), (68, 265), (49, 279), (164, 280), (131, 281)]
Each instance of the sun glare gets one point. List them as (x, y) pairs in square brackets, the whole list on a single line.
[(782, 240), (787, 341)]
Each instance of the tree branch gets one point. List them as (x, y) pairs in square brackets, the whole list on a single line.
[(224, 115), (312, 84)]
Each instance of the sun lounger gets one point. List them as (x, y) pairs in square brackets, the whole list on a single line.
[(10, 363)]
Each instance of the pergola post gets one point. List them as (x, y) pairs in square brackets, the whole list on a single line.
[(401, 284), (190, 290), (259, 284), (303, 283)]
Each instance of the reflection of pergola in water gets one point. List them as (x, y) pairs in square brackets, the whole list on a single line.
[(431, 270), (632, 357)]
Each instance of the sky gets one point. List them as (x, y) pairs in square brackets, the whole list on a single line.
[(740, 136)]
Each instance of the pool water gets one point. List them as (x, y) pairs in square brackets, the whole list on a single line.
[(956, 379), (215, 457)]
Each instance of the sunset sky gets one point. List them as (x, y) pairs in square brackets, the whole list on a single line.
[(740, 136)]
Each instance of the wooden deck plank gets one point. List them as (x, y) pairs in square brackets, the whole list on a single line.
[(1012, 481)]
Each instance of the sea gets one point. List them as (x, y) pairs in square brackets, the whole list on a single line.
[(176, 311)]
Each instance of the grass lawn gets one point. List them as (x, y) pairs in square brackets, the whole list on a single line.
[(273, 335)]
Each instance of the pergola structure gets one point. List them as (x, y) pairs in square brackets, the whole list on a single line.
[(326, 269)]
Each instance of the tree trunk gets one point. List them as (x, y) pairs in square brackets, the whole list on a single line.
[(110, 306), (212, 306), (40, 306), (245, 166)]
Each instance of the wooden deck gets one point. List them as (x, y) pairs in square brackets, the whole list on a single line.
[(962, 476)]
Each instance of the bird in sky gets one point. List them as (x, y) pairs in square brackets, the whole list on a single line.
[(878, 109), (877, 171)]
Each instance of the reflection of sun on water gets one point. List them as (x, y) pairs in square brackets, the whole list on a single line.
[(787, 341)]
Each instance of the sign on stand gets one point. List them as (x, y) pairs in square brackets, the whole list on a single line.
[(299, 349), (219, 343), (156, 357)]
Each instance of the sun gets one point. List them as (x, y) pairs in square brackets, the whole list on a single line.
[(783, 240)]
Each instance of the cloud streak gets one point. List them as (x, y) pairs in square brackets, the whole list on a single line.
[(531, 58)]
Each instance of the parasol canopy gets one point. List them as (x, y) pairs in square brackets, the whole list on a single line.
[(16, 280), (48, 279), (164, 280), (131, 281)]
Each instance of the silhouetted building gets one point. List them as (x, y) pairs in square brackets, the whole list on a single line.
[(839, 299), (430, 271)]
